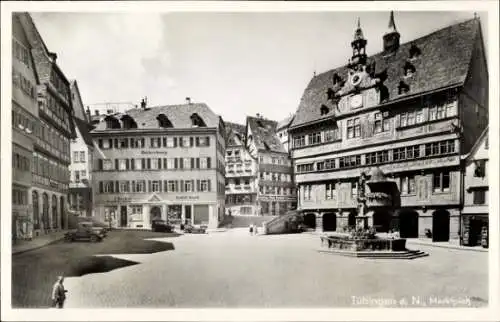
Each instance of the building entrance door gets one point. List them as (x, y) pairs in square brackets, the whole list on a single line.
[(408, 224), (187, 211), (440, 225), (123, 216)]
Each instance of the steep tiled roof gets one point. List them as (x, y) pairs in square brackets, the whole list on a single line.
[(264, 134), (178, 115), (444, 61), (286, 122), (233, 129), (84, 129)]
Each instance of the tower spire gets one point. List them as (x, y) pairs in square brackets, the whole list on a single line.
[(358, 46), (392, 24), (358, 34), (391, 37)]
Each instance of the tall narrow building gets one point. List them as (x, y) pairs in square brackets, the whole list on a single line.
[(377, 142)]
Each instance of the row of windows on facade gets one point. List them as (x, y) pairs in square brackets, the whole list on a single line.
[(406, 185), (24, 84), (238, 199), (381, 124), (79, 157), (78, 175), (274, 176), (76, 201), (155, 142), (274, 160), (399, 154), (163, 121), (50, 184), (50, 169), (231, 168), (20, 162), (272, 190), (154, 164), (20, 52), (54, 109), (143, 186), (59, 84), (19, 197)]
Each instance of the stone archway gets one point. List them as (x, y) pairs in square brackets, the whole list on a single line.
[(54, 212), (36, 211), (155, 213), (45, 212), (408, 223), (310, 220), (440, 225), (329, 221)]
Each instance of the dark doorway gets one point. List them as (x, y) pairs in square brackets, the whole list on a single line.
[(155, 213), (63, 213), (381, 220), (187, 211), (329, 222), (310, 221), (408, 223), (440, 225), (123, 216), (351, 219), (473, 233)]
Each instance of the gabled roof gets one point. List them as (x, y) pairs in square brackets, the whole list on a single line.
[(80, 113), (444, 62), (264, 134), (84, 129), (233, 130), (179, 116), (286, 122), (476, 145)]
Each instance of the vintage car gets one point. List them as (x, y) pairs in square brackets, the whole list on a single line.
[(160, 225), (101, 230), (190, 229), (84, 232)]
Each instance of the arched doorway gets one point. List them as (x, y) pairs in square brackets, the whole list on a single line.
[(329, 222), (62, 213), (440, 225), (381, 220), (54, 211), (351, 219), (155, 213), (45, 211), (310, 220), (36, 213), (408, 223)]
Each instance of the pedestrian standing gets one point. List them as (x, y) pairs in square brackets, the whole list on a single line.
[(58, 293), (255, 230), (251, 229)]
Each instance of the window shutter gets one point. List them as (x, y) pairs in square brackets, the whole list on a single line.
[(143, 164), (99, 167), (181, 142), (159, 186), (115, 143), (192, 163), (149, 185), (208, 162), (209, 186), (165, 164), (100, 143), (132, 164), (101, 188), (158, 140), (132, 143), (197, 185), (149, 163), (191, 141), (116, 164), (127, 164), (133, 184), (110, 141), (175, 142), (164, 142), (165, 186), (143, 142), (182, 185), (181, 163), (117, 186), (159, 163), (208, 141), (175, 163), (197, 141), (151, 142), (176, 186), (197, 163)]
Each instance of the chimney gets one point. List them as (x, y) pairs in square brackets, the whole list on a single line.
[(188, 100)]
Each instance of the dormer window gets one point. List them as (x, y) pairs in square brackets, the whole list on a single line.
[(414, 51), (324, 110), (330, 94), (409, 69), (128, 122), (336, 79), (197, 121), (112, 123), (163, 121), (260, 124), (403, 88)]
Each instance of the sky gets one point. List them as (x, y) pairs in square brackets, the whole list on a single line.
[(238, 63)]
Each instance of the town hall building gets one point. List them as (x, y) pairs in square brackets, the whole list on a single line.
[(378, 142)]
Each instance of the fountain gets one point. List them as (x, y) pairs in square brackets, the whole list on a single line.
[(372, 237)]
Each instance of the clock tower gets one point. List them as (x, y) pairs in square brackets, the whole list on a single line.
[(358, 46)]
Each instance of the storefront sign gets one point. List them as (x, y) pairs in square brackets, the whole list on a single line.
[(154, 152), (187, 197), (118, 200)]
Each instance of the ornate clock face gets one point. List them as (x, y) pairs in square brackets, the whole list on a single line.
[(356, 79), (356, 101)]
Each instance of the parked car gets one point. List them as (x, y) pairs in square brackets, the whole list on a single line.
[(84, 232), (190, 229), (161, 226), (101, 230)]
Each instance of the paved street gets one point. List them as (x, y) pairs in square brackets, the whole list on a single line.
[(233, 269)]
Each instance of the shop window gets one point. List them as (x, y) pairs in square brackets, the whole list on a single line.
[(479, 197)]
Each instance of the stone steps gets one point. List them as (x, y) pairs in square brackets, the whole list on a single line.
[(409, 254)]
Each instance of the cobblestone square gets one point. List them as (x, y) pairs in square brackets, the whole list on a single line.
[(235, 270)]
